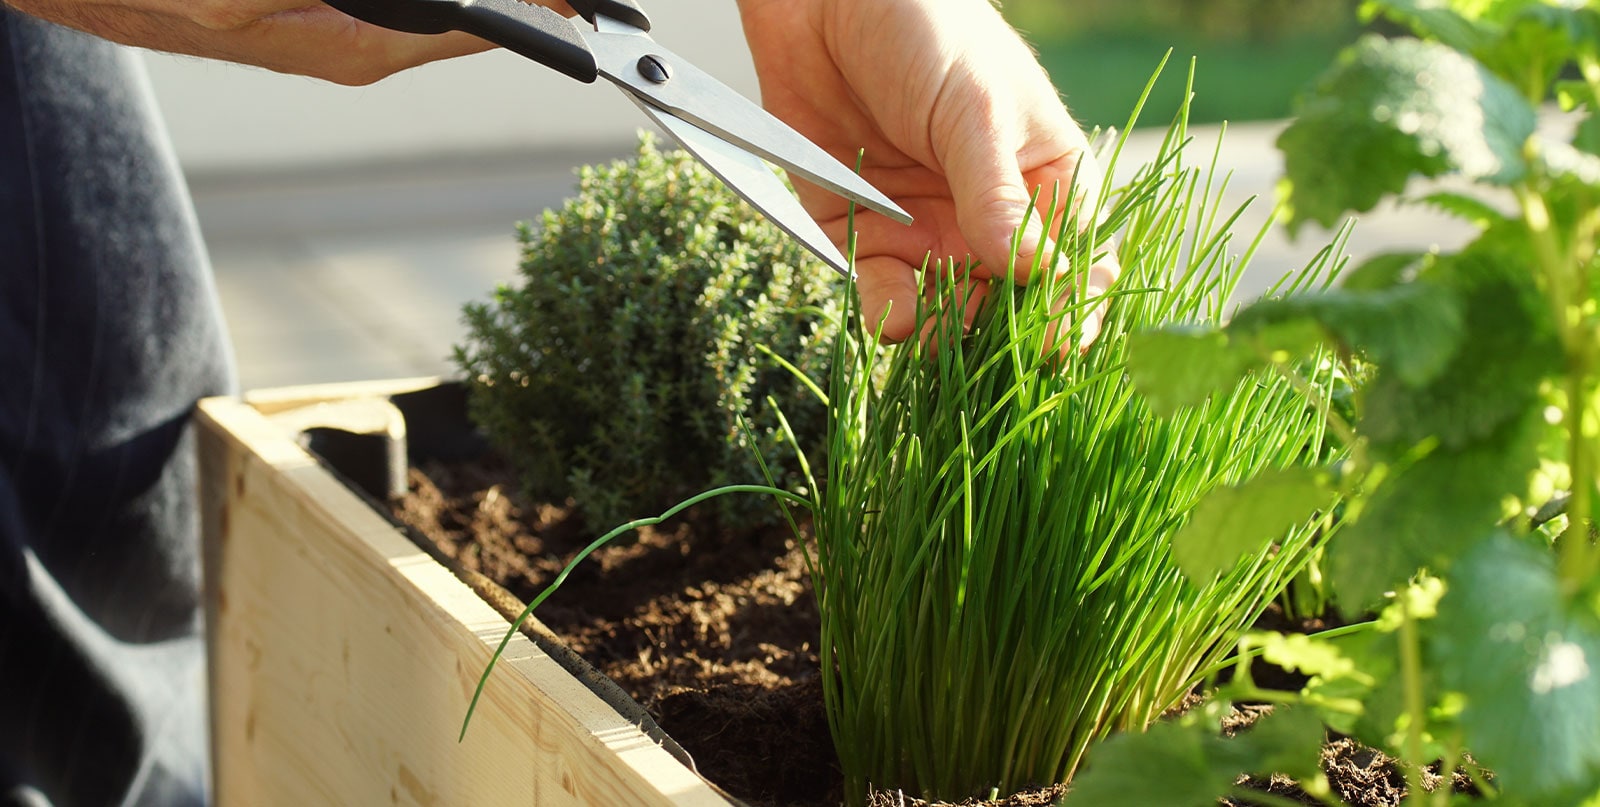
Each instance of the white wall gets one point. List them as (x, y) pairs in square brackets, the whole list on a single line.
[(225, 117)]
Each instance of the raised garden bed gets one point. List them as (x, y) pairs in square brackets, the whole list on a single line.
[(346, 646), (343, 655)]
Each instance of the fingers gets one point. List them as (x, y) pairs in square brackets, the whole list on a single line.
[(1096, 283), (894, 294), (1100, 279), (978, 151), (889, 294)]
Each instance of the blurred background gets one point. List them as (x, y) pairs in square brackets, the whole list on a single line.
[(1252, 55), (347, 226)]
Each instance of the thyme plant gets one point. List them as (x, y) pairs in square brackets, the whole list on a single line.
[(618, 371)]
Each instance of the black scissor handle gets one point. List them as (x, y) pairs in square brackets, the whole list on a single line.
[(533, 31), (623, 10)]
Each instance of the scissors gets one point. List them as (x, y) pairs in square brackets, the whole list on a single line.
[(725, 131)]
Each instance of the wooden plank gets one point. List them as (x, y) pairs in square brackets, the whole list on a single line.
[(281, 399), (343, 658)]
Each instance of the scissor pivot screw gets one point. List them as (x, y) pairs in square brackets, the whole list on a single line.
[(654, 69)]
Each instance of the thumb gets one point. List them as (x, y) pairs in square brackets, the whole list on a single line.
[(992, 200)]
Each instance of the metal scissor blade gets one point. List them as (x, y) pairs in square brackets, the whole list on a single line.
[(695, 96), (753, 180)]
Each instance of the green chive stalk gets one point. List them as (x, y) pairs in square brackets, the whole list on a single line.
[(992, 563)]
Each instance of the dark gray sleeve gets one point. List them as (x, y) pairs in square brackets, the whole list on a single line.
[(109, 332)]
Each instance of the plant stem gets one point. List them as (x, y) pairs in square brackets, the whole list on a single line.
[(1416, 707), (1484, 786), (1567, 280), (1576, 561), (516, 624), (1447, 770)]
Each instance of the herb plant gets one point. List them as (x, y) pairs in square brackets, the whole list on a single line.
[(1469, 487), (619, 371), (995, 564)]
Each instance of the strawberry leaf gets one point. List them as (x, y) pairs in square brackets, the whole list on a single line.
[(1412, 329), (1185, 764), (1502, 347), (1527, 657), (1431, 19), (1183, 365), (1424, 513), (1393, 109), (1233, 521), (1587, 137)]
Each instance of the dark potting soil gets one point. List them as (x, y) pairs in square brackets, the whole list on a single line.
[(714, 634)]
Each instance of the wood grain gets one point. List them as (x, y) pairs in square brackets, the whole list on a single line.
[(343, 658)]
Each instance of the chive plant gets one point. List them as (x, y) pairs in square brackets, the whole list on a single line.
[(993, 560)]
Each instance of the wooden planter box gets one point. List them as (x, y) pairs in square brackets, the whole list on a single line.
[(343, 656)]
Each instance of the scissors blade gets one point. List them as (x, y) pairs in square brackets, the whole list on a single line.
[(695, 96), (753, 180)]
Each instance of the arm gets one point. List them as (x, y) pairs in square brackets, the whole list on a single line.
[(959, 122), (289, 36)]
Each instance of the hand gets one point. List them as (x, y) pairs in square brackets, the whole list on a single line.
[(960, 125), (289, 36)]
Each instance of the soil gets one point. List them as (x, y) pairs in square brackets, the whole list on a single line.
[(713, 634)]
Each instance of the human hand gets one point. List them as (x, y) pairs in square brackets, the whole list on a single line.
[(290, 36), (960, 125)]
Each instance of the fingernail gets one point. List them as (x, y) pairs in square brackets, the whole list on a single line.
[(1090, 331), (1033, 237)]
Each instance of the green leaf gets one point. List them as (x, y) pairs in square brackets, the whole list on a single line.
[(1170, 765), (1383, 271), (1298, 652), (1587, 137), (1572, 93), (1186, 764), (1536, 41), (1464, 206), (1288, 741), (1527, 657), (1425, 513), (1432, 19), (1526, 42), (1183, 365), (1233, 521), (1502, 349), (1383, 717), (1393, 109), (1413, 328)]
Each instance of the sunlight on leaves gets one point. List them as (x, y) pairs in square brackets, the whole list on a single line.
[(1529, 667), (1392, 109)]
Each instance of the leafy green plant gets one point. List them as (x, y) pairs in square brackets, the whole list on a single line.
[(999, 524), (618, 373), (1470, 482)]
